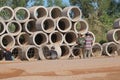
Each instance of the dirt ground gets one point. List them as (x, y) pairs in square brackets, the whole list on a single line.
[(102, 68)]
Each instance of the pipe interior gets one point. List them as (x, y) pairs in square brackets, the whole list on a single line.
[(112, 48), (41, 12), (31, 26), (33, 53), (74, 13), (40, 38), (45, 50), (56, 12), (21, 14), (6, 13), (24, 39), (96, 50), (117, 36), (76, 51), (48, 24), (17, 53), (65, 50), (55, 37), (13, 27), (64, 24), (1, 55), (70, 37), (81, 26), (7, 41)]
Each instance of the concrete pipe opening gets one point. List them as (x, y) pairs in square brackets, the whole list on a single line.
[(7, 13), (75, 51), (63, 24), (17, 52), (46, 24), (65, 51), (54, 12), (13, 28), (39, 38), (96, 50), (23, 39), (56, 37), (29, 26), (38, 12), (114, 35), (81, 26), (7, 41), (109, 49), (22, 14), (72, 12), (30, 52), (70, 38), (2, 27)]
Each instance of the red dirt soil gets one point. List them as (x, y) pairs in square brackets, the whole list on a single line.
[(107, 68)]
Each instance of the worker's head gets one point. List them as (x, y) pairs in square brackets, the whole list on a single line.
[(7, 49), (87, 34)]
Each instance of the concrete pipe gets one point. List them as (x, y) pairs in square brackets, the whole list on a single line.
[(17, 52), (70, 37), (2, 27), (109, 49), (54, 12), (75, 51), (22, 14), (118, 49), (65, 51), (13, 27), (29, 26), (30, 52), (7, 41), (80, 26), (63, 24), (114, 35), (56, 37), (97, 50), (73, 13), (37, 12), (39, 38), (6, 13), (45, 24), (1, 55), (23, 39), (116, 24)]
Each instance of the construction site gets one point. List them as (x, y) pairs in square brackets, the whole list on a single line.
[(30, 34)]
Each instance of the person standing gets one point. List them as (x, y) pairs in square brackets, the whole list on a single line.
[(8, 55), (88, 45), (81, 44)]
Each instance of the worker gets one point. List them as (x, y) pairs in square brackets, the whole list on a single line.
[(81, 44)]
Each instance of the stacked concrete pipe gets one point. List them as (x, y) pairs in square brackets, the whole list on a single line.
[(30, 52), (116, 24), (37, 12), (21, 10), (2, 27), (54, 12), (7, 41), (23, 39), (109, 49), (114, 35), (13, 27), (97, 50), (7, 10), (45, 24), (65, 51), (70, 37), (17, 52), (29, 26), (63, 24), (80, 26), (72, 12), (39, 38), (56, 37)]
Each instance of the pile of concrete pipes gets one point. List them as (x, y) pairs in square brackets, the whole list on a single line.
[(30, 33)]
